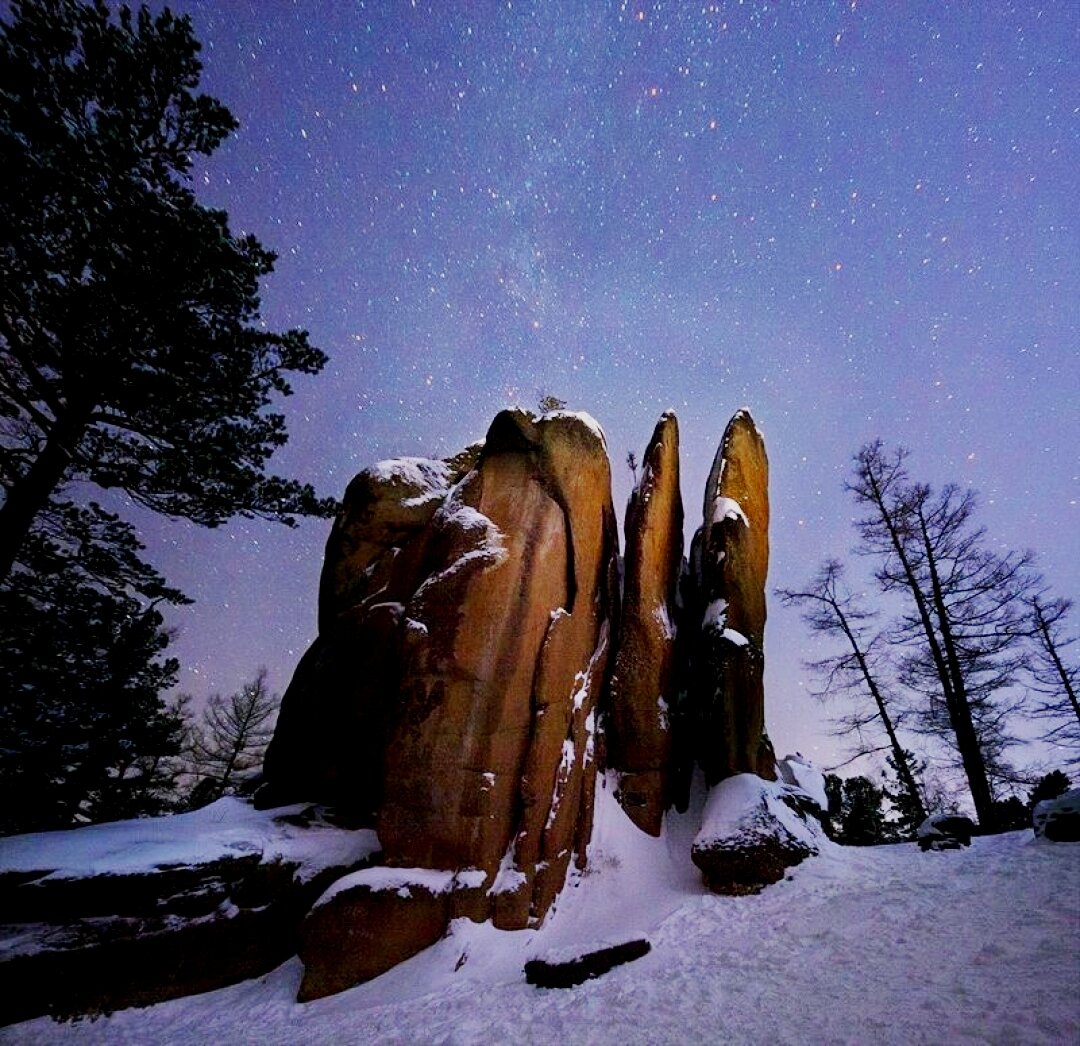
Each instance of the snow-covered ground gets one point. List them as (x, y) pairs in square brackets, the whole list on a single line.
[(880, 945)]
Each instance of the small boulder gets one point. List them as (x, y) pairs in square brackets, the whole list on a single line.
[(753, 831), (945, 832), (368, 922), (1058, 820)]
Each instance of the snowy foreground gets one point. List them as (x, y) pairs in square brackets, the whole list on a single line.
[(879, 945)]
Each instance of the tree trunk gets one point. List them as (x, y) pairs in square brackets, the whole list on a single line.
[(947, 667), (29, 494), (903, 769), (1051, 650), (967, 740)]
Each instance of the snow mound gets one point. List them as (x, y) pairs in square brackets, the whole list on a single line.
[(586, 419), (402, 880), (430, 478)]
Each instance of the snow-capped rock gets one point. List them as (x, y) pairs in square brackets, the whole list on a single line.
[(1058, 819)]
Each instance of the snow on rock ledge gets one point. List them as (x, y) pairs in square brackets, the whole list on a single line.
[(752, 831), (133, 912)]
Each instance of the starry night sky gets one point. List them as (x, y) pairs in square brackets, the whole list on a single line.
[(856, 219)]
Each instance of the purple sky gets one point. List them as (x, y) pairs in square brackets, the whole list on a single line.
[(856, 219)]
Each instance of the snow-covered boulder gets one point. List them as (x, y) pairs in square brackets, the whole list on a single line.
[(944, 831), (1058, 819), (368, 922), (752, 831), (798, 772)]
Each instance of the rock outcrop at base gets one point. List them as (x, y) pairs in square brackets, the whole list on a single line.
[(730, 562), (1058, 820), (136, 912), (367, 923), (566, 973), (644, 685)]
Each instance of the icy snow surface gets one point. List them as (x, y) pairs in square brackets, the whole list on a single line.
[(728, 508), (227, 828), (715, 614), (399, 880), (884, 945), (663, 619)]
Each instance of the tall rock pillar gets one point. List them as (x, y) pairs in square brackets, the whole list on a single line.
[(731, 562), (645, 680)]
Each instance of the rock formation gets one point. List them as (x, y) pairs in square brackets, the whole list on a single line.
[(490, 760), (474, 668), (160, 908), (730, 561), (645, 680), (466, 611)]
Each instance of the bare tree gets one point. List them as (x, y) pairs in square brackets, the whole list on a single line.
[(1053, 674), (831, 610), (231, 739), (965, 622)]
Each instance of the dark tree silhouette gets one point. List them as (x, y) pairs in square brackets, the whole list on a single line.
[(130, 350), (1054, 675), (1049, 786), (830, 610), (963, 630), (84, 732), (232, 738)]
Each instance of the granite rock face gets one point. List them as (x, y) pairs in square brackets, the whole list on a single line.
[(644, 685), (466, 614), (331, 731), (730, 562), (490, 759)]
